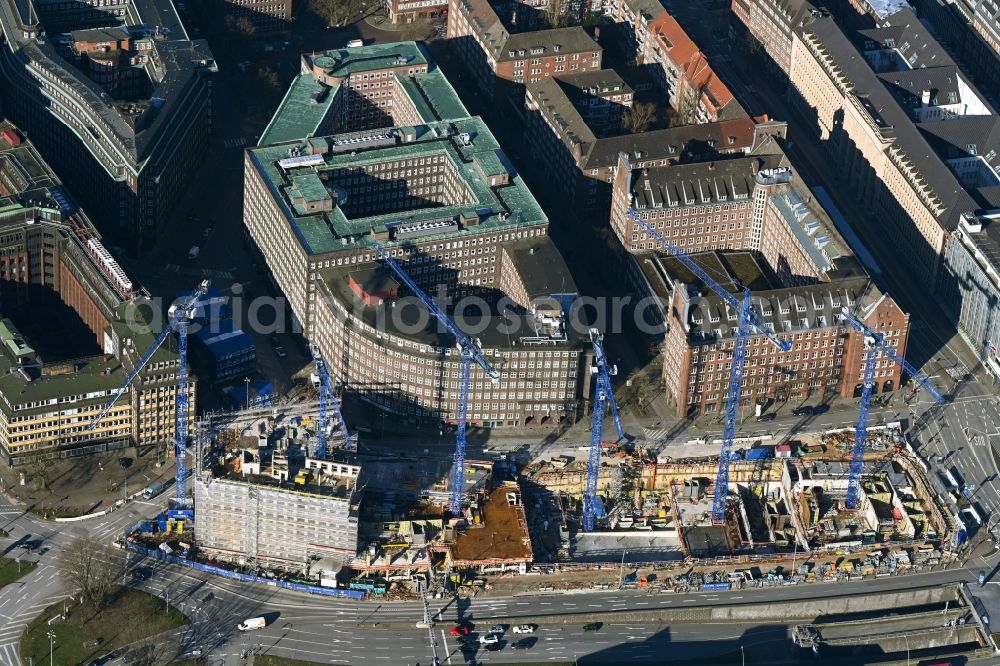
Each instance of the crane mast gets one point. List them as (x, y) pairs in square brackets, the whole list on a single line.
[(603, 398), (749, 323), (180, 316), (875, 344), (471, 353)]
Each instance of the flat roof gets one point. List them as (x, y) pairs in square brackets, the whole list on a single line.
[(298, 116), (347, 61), (502, 535), (461, 141)]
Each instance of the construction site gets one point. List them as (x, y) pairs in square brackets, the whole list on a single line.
[(782, 498)]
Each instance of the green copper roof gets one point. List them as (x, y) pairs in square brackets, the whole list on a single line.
[(468, 145), (299, 115), (344, 62)]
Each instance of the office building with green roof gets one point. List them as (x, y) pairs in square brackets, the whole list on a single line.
[(373, 144)]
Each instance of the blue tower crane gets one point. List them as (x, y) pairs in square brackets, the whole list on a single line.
[(747, 323), (604, 397), (180, 316), (471, 353), (326, 402), (874, 345)]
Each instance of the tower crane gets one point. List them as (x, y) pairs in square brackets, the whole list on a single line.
[(471, 353), (874, 345), (747, 324), (603, 398), (179, 316), (326, 401)]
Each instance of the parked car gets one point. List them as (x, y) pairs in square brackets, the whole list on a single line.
[(802, 411), (489, 639), (524, 643), (460, 630), (280, 352), (763, 418), (497, 629), (524, 629)]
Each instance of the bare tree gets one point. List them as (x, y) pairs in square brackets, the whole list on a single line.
[(245, 27), (638, 119), (268, 79), (39, 471), (335, 12), (555, 12), (93, 567)]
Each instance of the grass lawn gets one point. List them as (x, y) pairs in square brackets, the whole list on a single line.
[(9, 570), (130, 616)]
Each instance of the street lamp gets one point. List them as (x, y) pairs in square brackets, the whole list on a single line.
[(621, 570), (246, 380), (52, 637)]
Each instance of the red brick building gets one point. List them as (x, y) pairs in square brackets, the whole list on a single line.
[(580, 160), (826, 358), (750, 222), (502, 63)]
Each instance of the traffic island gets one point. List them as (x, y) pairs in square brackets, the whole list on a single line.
[(75, 633), (12, 570)]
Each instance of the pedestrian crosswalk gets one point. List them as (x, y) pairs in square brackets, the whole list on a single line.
[(656, 434), (238, 142), (20, 603)]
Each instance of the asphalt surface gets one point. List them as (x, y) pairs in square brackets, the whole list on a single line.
[(331, 630)]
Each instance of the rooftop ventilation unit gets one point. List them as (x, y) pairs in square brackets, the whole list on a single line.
[(300, 161), (363, 141), (417, 229), (811, 227), (822, 240)]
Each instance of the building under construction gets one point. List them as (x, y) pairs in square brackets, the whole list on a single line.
[(781, 498), (263, 503)]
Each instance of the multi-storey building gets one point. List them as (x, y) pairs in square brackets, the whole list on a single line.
[(741, 203), (827, 355), (268, 17), (679, 68), (407, 11), (914, 139), (52, 258), (580, 160), (344, 90), (276, 509), (601, 97), (972, 29), (969, 288), (438, 192), (502, 62), (771, 23), (750, 222), (123, 112)]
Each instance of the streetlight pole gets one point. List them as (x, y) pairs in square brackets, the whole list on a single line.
[(52, 637), (621, 570), (246, 380), (743, 657)]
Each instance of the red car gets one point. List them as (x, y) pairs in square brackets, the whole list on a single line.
[(460, 630)]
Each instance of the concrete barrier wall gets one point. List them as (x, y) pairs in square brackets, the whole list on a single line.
[(782, 611)]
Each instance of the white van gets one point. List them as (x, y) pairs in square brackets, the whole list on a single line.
[(354, 43)]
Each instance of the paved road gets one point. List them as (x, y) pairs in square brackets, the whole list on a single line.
[(22, 601)]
